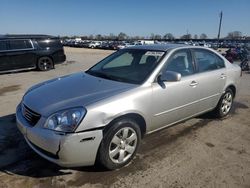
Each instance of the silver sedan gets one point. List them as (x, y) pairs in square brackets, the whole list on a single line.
[(103, 113)]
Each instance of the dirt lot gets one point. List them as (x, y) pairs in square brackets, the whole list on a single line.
[(201, 152)]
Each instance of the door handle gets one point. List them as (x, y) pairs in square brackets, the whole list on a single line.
[(193, 84), (223, 76)]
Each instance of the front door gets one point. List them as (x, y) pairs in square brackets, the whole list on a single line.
[(174, 101)]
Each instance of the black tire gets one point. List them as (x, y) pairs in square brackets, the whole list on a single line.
[(45, 63), (225, 104), (244, 66), (108, 147)]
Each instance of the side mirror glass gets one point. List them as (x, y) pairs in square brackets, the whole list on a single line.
[(170, 76)]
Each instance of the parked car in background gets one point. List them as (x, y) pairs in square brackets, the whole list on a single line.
[(22, 52), (102, 114), (106, 45), (128, 44), (94, 44)]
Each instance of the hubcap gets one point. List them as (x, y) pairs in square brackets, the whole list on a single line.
[(123, 145), (226, 103)]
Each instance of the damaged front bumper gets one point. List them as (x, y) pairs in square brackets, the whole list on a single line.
[(68, 150)]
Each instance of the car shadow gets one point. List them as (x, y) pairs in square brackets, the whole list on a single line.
[(28, 163), (16, 157)]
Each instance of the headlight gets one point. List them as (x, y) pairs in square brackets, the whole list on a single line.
[(66, 120)]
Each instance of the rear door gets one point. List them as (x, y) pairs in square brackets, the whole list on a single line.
[(4, 59), (211, 77), (21, 53)]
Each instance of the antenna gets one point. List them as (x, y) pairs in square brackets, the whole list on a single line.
[(221, 14)]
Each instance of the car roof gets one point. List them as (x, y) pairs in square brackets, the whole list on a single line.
[(160, 47), (27, 36)]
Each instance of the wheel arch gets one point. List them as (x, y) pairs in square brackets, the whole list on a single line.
[(134, 116), (40, 56), (233, 88)]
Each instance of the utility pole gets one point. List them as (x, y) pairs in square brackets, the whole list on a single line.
[(221, 14)]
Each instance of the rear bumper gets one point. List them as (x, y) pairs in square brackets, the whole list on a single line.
[(59, 58), (68, 150)]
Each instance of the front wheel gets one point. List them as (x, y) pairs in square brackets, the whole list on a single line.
[(119, 144), (45, 64), (225, 104)]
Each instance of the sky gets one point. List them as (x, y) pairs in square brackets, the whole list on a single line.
[(133, 17)]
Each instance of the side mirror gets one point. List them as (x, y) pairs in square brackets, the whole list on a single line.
[(170, 76)]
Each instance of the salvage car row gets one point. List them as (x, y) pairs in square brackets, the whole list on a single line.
[(109, 45)]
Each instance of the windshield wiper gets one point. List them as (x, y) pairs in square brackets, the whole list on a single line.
[(99, 74), (110, 77)]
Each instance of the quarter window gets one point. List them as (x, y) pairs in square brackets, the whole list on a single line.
[(20, 44), (181, 62), (208, 61)]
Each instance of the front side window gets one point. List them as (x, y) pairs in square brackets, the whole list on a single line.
[(207, 61), (128, 65), (20, 44), (181, 62)]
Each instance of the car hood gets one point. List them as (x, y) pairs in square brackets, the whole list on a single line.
[(79, 89)]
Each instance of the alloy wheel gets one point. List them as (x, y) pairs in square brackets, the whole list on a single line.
[(123, 145), (45, 63), (226, 103)]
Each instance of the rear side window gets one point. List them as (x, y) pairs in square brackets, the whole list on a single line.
[(3, 45), (49, 43), (20, 44), (208, 61)]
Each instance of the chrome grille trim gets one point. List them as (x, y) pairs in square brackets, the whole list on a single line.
[(31, 116)]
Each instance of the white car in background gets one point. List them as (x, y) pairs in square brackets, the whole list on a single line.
[(94, 44)]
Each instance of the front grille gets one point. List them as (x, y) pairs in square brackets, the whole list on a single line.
[(31, 116)]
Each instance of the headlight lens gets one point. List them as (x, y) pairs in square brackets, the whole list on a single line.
[(65, 121)]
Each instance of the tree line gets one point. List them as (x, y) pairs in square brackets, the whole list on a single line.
[(234, 35)]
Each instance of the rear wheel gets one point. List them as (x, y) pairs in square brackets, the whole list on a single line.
[(244, 66), (225, 104), (45, 64), (119, 144)]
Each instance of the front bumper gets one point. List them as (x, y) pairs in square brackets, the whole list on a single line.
[(68, 150)]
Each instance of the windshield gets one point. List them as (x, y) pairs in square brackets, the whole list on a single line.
[(129, 65)]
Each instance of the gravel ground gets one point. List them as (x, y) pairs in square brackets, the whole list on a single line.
[(201, 152)]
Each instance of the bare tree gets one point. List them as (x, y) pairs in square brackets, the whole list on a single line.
[(203, 36), (234, 35), (112, 37), (99, 37), (195, 36), (91, 37), (186, 37), (152, 36), (122, 36), (168, 36), (157, 37)]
